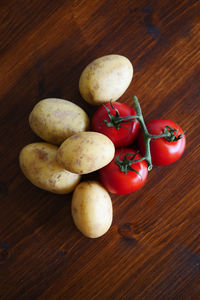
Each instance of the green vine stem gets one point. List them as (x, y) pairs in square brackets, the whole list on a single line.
[(169, 134), (147, 136)]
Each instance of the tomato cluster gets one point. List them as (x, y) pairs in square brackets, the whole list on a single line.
[(128, 170)]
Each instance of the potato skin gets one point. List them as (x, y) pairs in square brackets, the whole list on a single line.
[(105, 79), (92, 210), (54, 120), (38, 163), (85, 152)]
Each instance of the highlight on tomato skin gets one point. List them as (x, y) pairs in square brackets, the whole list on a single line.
[(116, 181), (163, 152), (127, 131)]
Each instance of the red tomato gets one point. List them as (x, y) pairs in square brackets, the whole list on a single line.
[(163, 152), (121, 136), (116, 181)]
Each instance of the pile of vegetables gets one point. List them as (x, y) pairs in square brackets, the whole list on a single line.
[(72, 147)]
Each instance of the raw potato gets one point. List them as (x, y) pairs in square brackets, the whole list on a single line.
[(39, 165), (92, 209), (105, 79), (85, 152), (54, 120)]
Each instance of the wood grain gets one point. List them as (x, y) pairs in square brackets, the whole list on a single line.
[(152, 249)]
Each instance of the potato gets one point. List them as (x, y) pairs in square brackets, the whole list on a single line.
[(39, 165), (54, 120), (92, 209), (105, 79), (85, 152)]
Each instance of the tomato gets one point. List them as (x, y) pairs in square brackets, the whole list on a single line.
[(121, 136), (116, 181), (163, 152)]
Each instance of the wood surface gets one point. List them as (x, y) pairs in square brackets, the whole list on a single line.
[(152, 250)]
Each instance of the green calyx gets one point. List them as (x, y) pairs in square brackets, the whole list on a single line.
[(171, 134), (125, 163), (116, 120)]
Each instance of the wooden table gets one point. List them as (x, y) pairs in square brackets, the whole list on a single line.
[(152, 249)]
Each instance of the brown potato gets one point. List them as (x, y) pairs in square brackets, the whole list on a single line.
[(39, 165), (92, 210), (105, 79), (85, 152), (54, 120)]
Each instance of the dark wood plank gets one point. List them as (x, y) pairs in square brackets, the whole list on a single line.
[(152, 249)]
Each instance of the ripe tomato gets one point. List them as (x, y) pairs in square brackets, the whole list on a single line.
[(116, 181), (163, 152), (119, 136)]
